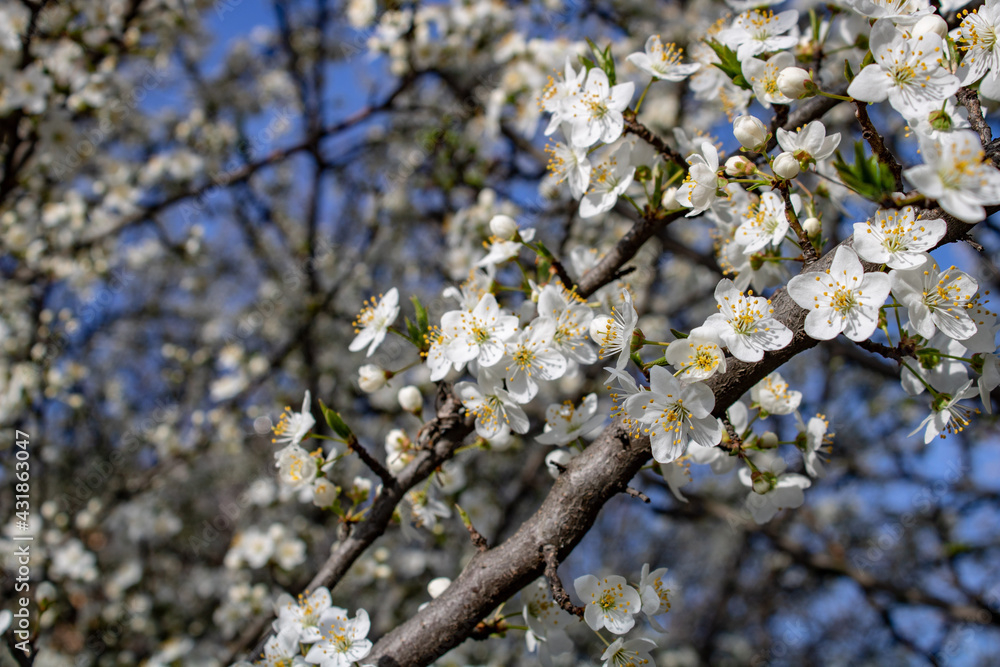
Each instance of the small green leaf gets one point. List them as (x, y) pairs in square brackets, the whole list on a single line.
[(336, 422), (848, 72), (678, 334), (729, 63), (867, 176), (422, 321)]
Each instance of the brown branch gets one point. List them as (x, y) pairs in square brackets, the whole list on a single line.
[(559, 593), (808, 250), (877, 144), (884, 350), (441, 437), (633, 126), (636, 493), (970, 100), (388, 480)]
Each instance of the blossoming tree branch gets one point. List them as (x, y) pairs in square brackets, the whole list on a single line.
[(604, 246), (680, 400)]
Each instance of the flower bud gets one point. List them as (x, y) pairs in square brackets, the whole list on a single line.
[(750, 132), (410, 399), (785, 166), (324, 492), (762, 481), (669, 199), (438, 586), (932, 23), (769, 440), (812, 226), (503, 226), (792, 82), (738, 166), (361, 488), (371, 378), (599, 328), (557, 460)]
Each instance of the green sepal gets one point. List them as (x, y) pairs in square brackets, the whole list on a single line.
[(336, 422)]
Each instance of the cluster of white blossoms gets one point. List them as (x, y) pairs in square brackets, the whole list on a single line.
[(881, 284), (311, 631)]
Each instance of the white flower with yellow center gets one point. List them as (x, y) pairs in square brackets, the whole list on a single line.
[(564, 423), (296, 467), (765, 223), (695, 357), (910, 73), (614, 334), (673, 413), (947, 416), (663, 61), (570, 163), (655, 595), (701, 184), (936, 301), (977, 38), (841, 299), (774, 397), (344, 641), (301, 615), (282, 650), (573, 317), (956, 174), (759, 31), (609, 180), (530, 358), (496, 412), (897, 239), (292, 427), (631, 653), (374, 321), (608, 603), (745, 325), (763, 76), (595, 114), (479, 334)]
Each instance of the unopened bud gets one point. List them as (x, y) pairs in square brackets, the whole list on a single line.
[(438, 586), (503, 226), (785, 166), (794, 82), (940, 120), (750, 132), (931, 23), (769, 440), (762, 481), (410, 399), (812, 226), (669, 199), (738, 166), (371, 378)]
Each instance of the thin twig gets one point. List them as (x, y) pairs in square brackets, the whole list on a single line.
[(808, 251), (387, 477), (970, 100), (877, 144), (559, 593), (633, 126), (878, 348), (636, 493)]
